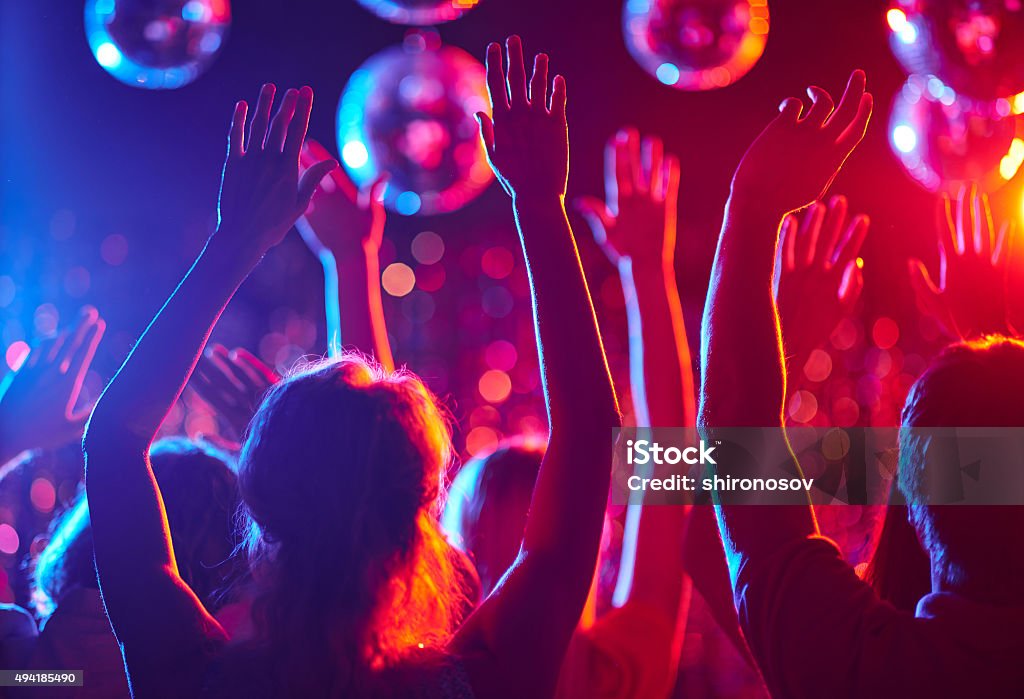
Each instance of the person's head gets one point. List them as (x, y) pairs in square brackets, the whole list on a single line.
[(487, 508), (201, 498), (341, 472), (899, 569), (974, 549)]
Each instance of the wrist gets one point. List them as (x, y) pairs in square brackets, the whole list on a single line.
[(235, 252), (742, 214), (538, 200), (753, 209)]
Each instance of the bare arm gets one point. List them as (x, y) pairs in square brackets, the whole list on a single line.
[(744, 377), (344, 227), (156, 617), (636, 227), (527, 146)]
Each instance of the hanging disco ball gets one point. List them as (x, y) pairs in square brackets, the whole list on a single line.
[(974, 46), (944, 139), (157, 44), (696, 44), (420, 12), (409, 111)]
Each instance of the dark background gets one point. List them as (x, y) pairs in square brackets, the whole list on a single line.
[(145, 163)]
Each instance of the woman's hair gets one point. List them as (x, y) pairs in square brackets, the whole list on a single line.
[(200, 493), (341, 472)]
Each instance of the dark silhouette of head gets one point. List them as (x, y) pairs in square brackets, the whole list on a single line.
[(487, 508), (200, 493), (341, 473), (974, 549)]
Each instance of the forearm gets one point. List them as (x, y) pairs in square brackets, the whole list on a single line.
[(582, 408), (659, 354), (355, 310), (149, 382), (743, 374), (662, 392), (744, 381)]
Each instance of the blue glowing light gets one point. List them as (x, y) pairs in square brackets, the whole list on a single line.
[(667, 73), (407, 203), (108, 56)]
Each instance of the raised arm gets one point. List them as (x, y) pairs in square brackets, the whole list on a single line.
[(527, 145), (344, 227), (636, 228), (788, 166), (968, 298), (156, 617), (38, 402)]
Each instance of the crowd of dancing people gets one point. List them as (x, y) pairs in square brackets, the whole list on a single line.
[(323, 554)]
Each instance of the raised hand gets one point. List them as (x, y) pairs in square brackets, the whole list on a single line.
[(792, 162), (38, 402), (637, 220), (818, 279), (969, 297), (527, 145), (341, 219), (232, 382), (261, 192), (344, 227), (526, 139)]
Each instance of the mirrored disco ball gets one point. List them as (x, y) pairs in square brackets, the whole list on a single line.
[(944, 139), (419, 11), (409, 111), (974, 46), (696, 44), (157, 44)]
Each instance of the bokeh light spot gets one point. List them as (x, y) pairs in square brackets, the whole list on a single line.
[(43, 495), (9, 541), (354, 154), (408, 203), (481, 440), (803, 406), (497, 262), (428, 247), (885, 333), (398, 279), (668, 74), (495, 385), (114, 249), (16, 354)]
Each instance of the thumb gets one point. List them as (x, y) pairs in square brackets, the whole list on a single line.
[(926, 294), (486, 131), (310, 180)]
